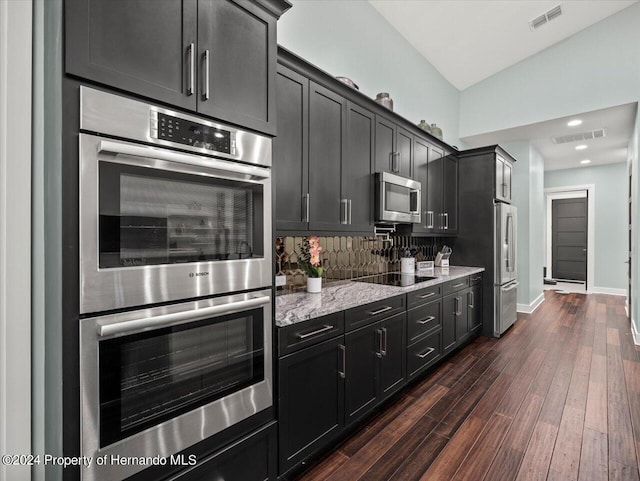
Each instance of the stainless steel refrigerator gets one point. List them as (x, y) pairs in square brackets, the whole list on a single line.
[(487, 232), (506, 271)]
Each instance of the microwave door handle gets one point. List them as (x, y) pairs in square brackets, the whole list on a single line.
[(166, 320), (178, 157)]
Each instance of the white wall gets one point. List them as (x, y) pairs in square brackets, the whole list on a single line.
[(596, 68), (528, 197), (634, 163), (15, 235), (351, 39), (609, 222)]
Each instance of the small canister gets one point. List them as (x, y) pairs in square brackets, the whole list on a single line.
[(383, 99), (408, 265)]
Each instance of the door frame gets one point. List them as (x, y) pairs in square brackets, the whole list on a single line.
[(573, 192)]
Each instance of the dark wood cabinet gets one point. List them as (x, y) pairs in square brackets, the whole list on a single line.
[(421, 174), (449, 322), (356, 178), (291, 151), (450, 194), (327, 126), (435, 190), (363, 350), (474, 305), (311, 400), (504, 169), (394, 148), (217, 57), (376, 365), (462, 316)]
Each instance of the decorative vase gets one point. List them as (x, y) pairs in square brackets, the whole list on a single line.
[(436, 131), (314, 284), (383, 99), (424, 126)]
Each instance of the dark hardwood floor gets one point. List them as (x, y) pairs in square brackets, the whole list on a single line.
[(556, 398)]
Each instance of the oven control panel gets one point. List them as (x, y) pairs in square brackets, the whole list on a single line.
[(186, 132)]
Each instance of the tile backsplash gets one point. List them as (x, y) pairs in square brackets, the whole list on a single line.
[(350, 257)]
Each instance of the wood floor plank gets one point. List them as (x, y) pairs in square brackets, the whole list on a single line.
[(537, 457), (565, 461), (594, 465)]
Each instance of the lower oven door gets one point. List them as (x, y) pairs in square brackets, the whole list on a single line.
[(156, 381)]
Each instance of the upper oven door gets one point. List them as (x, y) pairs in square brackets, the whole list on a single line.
[(160, 225)]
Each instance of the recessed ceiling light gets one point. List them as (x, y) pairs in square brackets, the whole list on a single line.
[(574, 123), (585, 161), (581, 147)]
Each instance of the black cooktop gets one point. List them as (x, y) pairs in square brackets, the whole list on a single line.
[(394, 279)]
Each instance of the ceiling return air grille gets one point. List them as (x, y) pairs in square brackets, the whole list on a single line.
[(577, 137), (546, 17)]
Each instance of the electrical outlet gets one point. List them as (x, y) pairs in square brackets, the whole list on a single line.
[(281, 281)]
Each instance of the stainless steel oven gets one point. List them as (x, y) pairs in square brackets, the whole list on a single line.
[(158, 380), (171, 206), (397, 199)]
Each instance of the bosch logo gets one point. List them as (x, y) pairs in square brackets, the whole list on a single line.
[(198, 274)]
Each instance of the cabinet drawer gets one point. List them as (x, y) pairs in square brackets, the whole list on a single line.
[(423, 296), (455, 285), (423, 353), (363, 315), (475, 279), (308, 333), (423, 319)]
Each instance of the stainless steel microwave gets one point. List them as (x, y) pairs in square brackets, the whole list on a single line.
[(397, 199)]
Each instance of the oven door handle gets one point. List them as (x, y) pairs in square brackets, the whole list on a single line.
[(167, 320), (172, 156)]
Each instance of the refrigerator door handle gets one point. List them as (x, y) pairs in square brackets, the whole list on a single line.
[(511, 286)]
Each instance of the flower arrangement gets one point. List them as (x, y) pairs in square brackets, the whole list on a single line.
[(310, 256)]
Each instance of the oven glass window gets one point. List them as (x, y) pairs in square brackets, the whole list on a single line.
[(397, 198), (151, 377), (150, 216)]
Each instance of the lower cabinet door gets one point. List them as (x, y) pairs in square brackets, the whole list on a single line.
[(449, 310), (475, 308), (311, 407), (423, 353), (252, 458), (363, 351), (393, 368), (462, 315)]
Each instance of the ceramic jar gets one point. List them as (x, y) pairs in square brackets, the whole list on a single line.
[(436, 131), (314, 285), (383, 99), (424, 126)]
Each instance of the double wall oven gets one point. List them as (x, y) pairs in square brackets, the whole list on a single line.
[(175, 279)]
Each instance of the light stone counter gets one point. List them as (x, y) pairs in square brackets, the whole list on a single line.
[(300, 307)]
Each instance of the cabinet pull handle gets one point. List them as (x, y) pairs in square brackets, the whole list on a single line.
[(350, 211), (313, 333), (471, 300), (207, 64), (343, 350), (426, 296), (384, 337), (446, 220), (426, 353), (458, 306), (379, 311), (191, 69), (344, 211), (459, 285), (395, 162), (427, 320), (430, 219), (306, 208), (380, 345)]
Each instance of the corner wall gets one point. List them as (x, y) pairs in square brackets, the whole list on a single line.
[(351, 39)]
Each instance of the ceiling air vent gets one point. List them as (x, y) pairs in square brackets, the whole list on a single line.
[(580, 136), (546, 17)]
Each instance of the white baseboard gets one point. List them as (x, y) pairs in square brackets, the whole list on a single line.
[(608, 290), (635, 334), (529, 308)]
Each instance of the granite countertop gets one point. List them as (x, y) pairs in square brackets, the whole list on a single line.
[(300, 307)]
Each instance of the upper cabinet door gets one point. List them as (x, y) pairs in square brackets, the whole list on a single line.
[(237, 62), (357, 181), (503, 179), (291, 151), (327, 117), (404, 152), (435, 211), (420, 173), (507, 180), (385, 144), (141, 46), (450, 198)]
